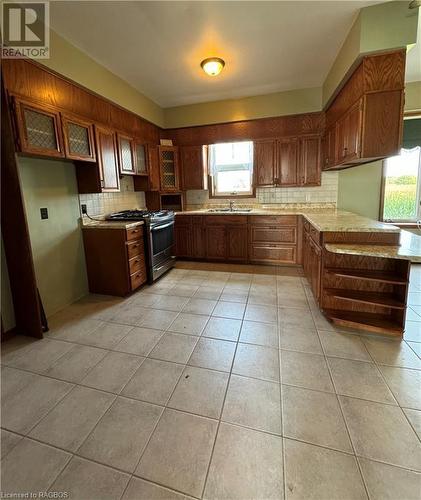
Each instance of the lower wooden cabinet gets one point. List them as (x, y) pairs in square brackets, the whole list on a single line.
[(236, 238), (115, 259), (312, 258), (216, 242)]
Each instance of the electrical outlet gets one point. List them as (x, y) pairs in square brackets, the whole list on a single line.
[(44, 213), (84, 209)]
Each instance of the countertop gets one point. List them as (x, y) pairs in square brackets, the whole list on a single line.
[(108, 224), (321, 219), (409, 249)]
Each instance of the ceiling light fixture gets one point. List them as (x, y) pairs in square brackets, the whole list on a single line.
[(212, 66), (414, 4)]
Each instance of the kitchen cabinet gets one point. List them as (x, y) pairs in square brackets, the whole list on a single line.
[(169, 168), (140, 158), (287, 162), (183, 236), (216, 242), (121, 269), (236, 242), (107, 159), (39, 129), (193, 161), (78, 135), (198, 237), (154, 168), (329, 147), (126, 154), (348, 134), (312, 258)]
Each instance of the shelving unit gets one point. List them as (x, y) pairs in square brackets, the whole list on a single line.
[(368, 321)]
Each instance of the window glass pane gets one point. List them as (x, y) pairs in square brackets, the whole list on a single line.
[(401, 191), (231, 166)]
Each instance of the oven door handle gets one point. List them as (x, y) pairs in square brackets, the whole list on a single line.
[(163, 226)]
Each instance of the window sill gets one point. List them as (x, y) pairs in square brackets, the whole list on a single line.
[(403, 225)]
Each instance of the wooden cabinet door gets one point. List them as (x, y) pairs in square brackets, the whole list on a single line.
[(168, 159), (236, 243), (329, 148), (154, 171), (107, 159), (126, 158), (141, 158), (348, 135), (39, 129), (316, 267), (193, 167), (287, 163), (310, 172), (78, 138), (198, 241), (265, 162), (183, 240), (216, 246)]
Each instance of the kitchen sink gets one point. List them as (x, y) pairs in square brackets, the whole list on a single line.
[(228, 210)]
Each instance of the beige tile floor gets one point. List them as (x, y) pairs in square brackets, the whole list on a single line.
[(213, 384)]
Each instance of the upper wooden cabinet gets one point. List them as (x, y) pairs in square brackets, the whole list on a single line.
[(39, 129), (107, 159), (78, 136), (126, 154), (364, 121), (290, 161), (141, 158), (154, 168), (193, 167), (169, 172)]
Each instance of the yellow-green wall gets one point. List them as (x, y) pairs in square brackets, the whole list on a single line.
[(248, 108), (56, 242), (71, 62), (413, 96)]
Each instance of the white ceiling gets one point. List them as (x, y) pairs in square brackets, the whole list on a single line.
[(157, 46)]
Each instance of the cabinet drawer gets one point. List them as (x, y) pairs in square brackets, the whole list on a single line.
[(137, 279), (134, 233), (273, 220), (225, 219), (136, 263), (134, 248), (275, 254), (273, 234)]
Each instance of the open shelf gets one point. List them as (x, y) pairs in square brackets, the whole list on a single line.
[(367, 321), (368, 275), (373, 298)]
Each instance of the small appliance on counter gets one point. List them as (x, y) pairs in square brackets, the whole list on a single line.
[(159, 238)]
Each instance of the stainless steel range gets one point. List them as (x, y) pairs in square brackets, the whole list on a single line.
[(159, 238)]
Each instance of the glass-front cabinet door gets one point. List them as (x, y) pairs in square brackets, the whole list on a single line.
[(141, 165), (39, 129), (78, 139), (126, 158), (168, 156)]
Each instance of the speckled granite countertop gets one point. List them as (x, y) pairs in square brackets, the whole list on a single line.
[(409, 249), (321, 219), (107, 224)]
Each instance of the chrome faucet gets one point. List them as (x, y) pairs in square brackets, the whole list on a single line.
[(232, 205)]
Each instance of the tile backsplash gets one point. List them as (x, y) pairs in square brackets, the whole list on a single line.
[(105, 203), (327, 192)]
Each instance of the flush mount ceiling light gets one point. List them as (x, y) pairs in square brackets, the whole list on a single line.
[(212, 66), (414, 4)]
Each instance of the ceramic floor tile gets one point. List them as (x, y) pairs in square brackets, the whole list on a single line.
[(13, 381), (222, 328), (253, 403), (184, 290), (414, 417), (360, 380), (256, 361), (189, 324), (31, 467), (76, 363), (174, 347), (230, 310), (205, 292), (236, 473), (264, 314), (138, 489), (75, 330), (412, 331), (305, 370), (259, 333), (405, 385), (143, 299), (298, 338), (200, 391), (381, 432), (113, 372), (320, 474), (84, 480), (199, 306), (169, 303), (154, 381), (292, 298), (179, 452), (160, 320), (122, 433), (314, 417), (70, 422), (107, 335), (213, 354), (392, 352), (8, 441), (265, 298), (343, 345), (385, 482), (236, 296), (139, 341), (22, 410), (416, 347), (129, 314)]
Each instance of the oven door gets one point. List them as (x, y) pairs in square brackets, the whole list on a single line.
[(161, 245)]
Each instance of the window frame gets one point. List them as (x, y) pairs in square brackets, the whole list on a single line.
[(211, 181)]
